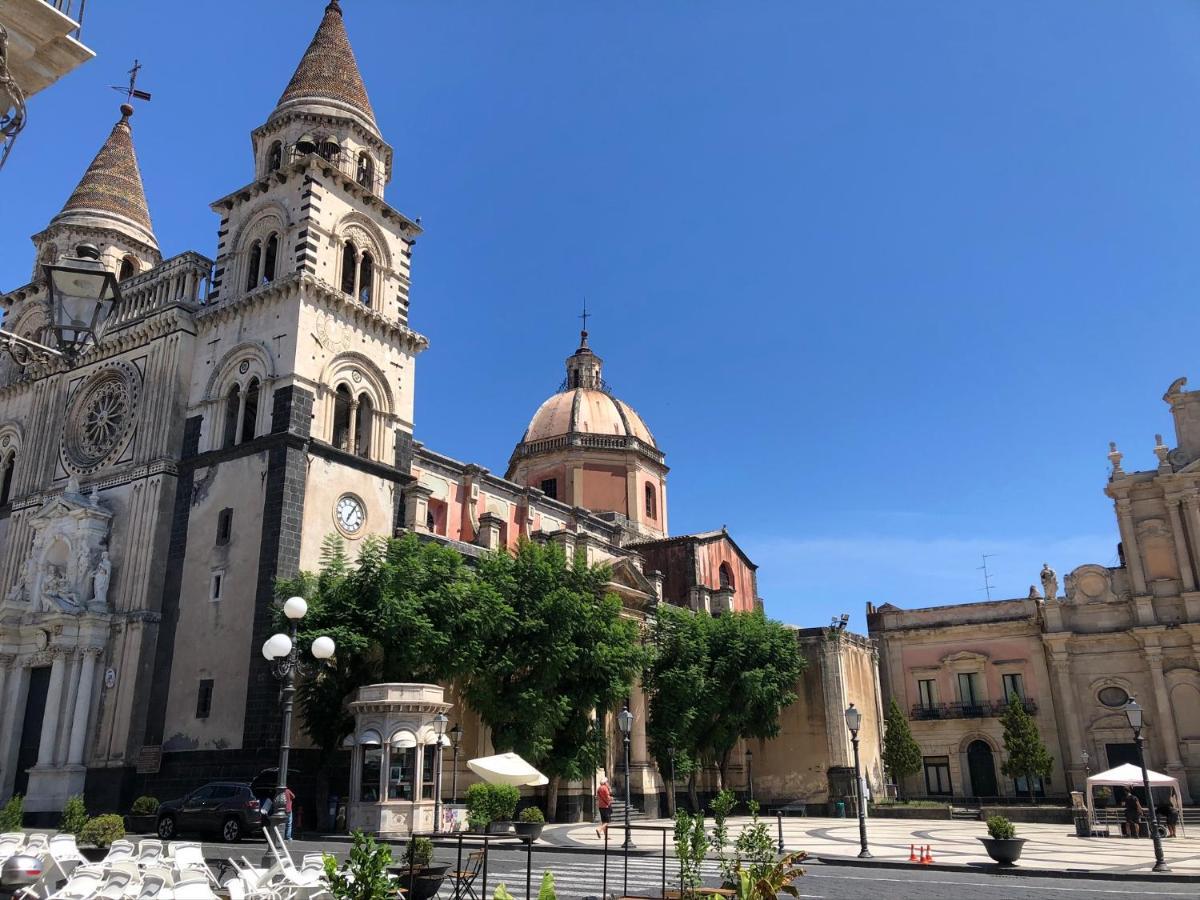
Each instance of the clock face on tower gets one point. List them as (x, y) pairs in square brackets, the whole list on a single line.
[(349, 514)]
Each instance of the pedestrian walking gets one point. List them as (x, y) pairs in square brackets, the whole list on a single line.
[(290, 799), (604, 801), (1133, 813)]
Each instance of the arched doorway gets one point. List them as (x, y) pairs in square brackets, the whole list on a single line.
[(982, 769)]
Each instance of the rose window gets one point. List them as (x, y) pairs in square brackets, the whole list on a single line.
[(101, 418)]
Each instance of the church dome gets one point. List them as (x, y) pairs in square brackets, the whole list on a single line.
[(586, 411)]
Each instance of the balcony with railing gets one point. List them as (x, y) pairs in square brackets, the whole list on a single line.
[(181, 279), (980, 709)]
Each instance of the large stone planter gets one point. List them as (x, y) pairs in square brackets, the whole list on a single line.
[(499, 827), (528, 831), (1004, 852)]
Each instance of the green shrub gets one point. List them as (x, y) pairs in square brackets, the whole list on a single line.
[(479, 809), (101, 831), (365, 876), (418, 853), (491, 803), (12, 816), (144, 806), (505, 798), (74, 815), (1000, 829), (532, 815)]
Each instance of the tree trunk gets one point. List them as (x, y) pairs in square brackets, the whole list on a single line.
[(693, 797), (552, 798), (1029, 781), (722, 766)]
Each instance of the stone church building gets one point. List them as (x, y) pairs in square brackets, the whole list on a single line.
[(235, 412)]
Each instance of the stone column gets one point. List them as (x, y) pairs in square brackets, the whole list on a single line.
[(1065, 708), (358, 255), (638, 748), (352, 440), (83, 705), (1180, 542), (241, 418), (54, 693), (1166, 719), (1191, 513), (10, 683), (1133, 558)]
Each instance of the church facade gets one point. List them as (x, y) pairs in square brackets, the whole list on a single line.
[(239, 409)]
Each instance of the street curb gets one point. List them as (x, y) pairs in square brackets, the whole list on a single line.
[(993, 869)]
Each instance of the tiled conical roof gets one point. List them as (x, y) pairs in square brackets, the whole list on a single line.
[(328, 70), (112, 184)]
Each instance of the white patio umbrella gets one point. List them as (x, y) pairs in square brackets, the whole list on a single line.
[(507, 768)]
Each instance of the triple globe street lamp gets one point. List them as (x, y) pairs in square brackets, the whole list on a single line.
[(282, 652)]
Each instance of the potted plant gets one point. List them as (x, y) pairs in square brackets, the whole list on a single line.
[(530, 823), (143, 816), (420, 879), (1102, 798), (1002, 843), (365, 875)]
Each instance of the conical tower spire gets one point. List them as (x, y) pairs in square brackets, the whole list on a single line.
[(110, 194), (328, 73)]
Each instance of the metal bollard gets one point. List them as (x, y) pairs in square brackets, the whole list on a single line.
[(779, 819), (528, 868)]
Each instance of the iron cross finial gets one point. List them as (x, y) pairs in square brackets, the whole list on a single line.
[(131, 92), (585, 315)]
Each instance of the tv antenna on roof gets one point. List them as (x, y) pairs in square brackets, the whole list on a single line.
[(131, 91), (987, 578)]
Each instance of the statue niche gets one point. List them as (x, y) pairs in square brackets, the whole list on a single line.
[(68, 569)]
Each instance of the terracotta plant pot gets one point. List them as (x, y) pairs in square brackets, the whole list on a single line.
[(1004, 852)]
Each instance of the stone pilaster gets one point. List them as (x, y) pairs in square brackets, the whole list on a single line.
[(1179, 539), (1133, 557), (1064, 706), (416, 508)]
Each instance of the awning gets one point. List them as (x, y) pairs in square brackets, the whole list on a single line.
[(1129, 775), (507, 768)]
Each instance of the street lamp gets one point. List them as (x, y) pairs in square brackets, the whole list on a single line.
[(281, 651), (456, 734), (1133, 713), (1087, 772), (750, 772), (625, 721), (854, 722), (439, 728)]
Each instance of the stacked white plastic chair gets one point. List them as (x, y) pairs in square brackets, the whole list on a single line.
[(11, 843)]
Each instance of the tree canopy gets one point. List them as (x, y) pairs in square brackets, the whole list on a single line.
[(1028, 757), (901, 753), (714, 680)]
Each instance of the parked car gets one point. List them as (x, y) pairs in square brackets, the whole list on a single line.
[(232, 809)]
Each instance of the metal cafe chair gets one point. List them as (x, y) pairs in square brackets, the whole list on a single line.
[(464, 880)]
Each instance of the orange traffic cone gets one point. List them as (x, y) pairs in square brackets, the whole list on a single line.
[(912, 854), (928, 854)]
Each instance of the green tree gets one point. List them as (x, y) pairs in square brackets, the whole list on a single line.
[(901, 753), (402, 611), (563, 649), (1028, 757), (714, 681)]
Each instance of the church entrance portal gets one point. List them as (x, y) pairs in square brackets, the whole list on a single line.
[(982, 769), (31, 727)]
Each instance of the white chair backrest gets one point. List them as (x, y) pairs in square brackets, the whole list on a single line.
[(150, 848), (188, 856), (192, 886), (115, 884), (153, 886), (118, 850), (36, 841), (158, 870), (84, 882), (63, 848), (11, 842)]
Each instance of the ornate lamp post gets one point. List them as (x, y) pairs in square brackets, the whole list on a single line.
[(456, 734), (625, 721), (1087, 772), (281, 651), (1133, 712), (853, 722), (439, 728), (83, 294)]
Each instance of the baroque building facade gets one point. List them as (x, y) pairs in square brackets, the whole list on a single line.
[(236, 412), (1130, 630)]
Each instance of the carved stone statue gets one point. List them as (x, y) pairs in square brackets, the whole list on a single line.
[(56, 591), (1049, 582), (101, 579)]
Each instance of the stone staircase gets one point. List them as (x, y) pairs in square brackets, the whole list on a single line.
[(618, 813)]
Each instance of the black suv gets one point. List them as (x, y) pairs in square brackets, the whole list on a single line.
[(232, 809)]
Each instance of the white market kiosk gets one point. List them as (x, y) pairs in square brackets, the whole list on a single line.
[(1127, 775)]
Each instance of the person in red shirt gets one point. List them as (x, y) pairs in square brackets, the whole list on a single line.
[(604, 802), (290, 800)]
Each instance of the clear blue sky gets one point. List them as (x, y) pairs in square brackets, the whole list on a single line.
[(883, 278)]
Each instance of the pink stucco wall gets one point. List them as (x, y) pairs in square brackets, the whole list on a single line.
[(712, 555)]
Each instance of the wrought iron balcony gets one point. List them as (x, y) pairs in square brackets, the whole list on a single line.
[(980, 709), (72, 9)]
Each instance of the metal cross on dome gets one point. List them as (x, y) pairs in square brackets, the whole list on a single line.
[(131, 91)]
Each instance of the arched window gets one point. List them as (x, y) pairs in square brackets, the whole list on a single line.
[(651, 502), (275, 157), (8, 467), (726, 575), (341, 418), (366, 170), (250, 410), (233, 402), (269, 257), (362, 428), (128, 268), (253, 264), (366, 277), (349, 266)]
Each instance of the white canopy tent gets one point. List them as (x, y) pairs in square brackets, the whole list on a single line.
[(1128, 775), (507, 768)]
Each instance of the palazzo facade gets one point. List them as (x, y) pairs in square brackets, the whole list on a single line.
[(236, 411), (1075, 658)]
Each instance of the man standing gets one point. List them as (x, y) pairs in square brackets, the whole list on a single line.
[(604, 801), (291, 798)]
